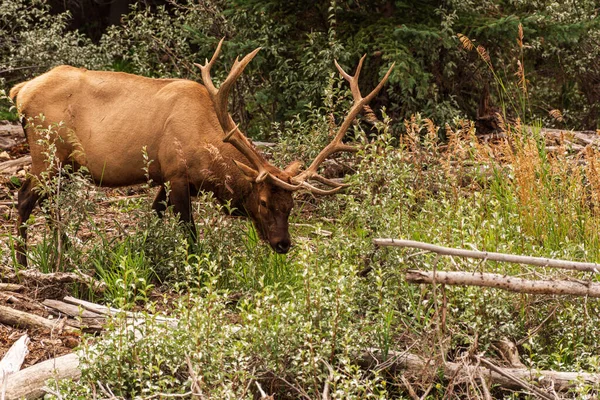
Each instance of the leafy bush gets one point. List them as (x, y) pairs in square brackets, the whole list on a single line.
[(246, 316), (251, 316), (299, 41), (281, 338), (36, 40)]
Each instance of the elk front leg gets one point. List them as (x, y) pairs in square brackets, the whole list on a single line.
[(160, 202), (27, 199), (181, 200)]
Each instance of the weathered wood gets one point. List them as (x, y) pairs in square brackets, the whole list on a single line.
[(12, 361), (518, 381), (100, 309), (93, 307), (509, 352), (90, 321), (52, 278), (405, 362), (491, 256), (11, 287), (71, 310), (29, 382), (15, 164), (11, 129), (583, 138), (22, 300), (7, 143), (505, 282), (13, 317)]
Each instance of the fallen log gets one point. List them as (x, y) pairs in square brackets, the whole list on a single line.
[(11, 287), (11, 129), (52, 278), (89, 320), (505, 282), (24, 302), (13, 317), (405, 362), (29, 382), (104, 310), (570, 147), (583, 138), (518, 381), (15, 164), (71, 310), (491, 256), (12, 361)]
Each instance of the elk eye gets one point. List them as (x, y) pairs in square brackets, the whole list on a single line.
[(263, 203)]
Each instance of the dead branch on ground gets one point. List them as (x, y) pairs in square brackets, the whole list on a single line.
[(54, 278), (398, 362), (491, 256), (14, 165), (505, 282), (29, 382), (11, 287), (12, 317)]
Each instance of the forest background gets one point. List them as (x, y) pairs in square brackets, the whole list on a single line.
[(295, 323), (434, 75)]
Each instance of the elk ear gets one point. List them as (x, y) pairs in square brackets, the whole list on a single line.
[(249, 173), (293, 168)]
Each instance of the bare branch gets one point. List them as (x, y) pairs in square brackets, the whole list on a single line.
[(517, 380), (491, 256), (510, 283)]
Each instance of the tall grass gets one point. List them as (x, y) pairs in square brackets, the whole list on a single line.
[(248, 315)]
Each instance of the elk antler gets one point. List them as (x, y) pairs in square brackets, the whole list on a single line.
[(336, 144), (234, 136)]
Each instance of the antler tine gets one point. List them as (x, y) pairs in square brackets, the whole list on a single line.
[(283, 184), (220, 98), (352, 79), (205, 69), (329, 182), (316, 190), (336, 144)]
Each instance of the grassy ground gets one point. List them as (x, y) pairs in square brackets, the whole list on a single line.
[(247, 314)]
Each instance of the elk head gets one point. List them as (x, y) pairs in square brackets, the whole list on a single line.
[(270, 200)]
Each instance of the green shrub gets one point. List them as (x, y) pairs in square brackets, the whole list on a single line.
[(39, 40)]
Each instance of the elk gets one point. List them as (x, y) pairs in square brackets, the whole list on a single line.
[(107, 118)]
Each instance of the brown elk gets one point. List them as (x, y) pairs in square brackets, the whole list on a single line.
[(107, 118)]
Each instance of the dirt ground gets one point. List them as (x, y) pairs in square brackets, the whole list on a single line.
[(44, 344)]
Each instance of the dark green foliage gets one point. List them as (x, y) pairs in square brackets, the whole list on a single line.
[(434, 75)]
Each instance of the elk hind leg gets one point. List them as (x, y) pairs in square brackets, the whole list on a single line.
[(27, 199)]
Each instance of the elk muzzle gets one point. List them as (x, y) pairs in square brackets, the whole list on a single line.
[(281, 246)]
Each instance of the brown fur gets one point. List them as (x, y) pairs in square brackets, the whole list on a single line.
[(110, 116)]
